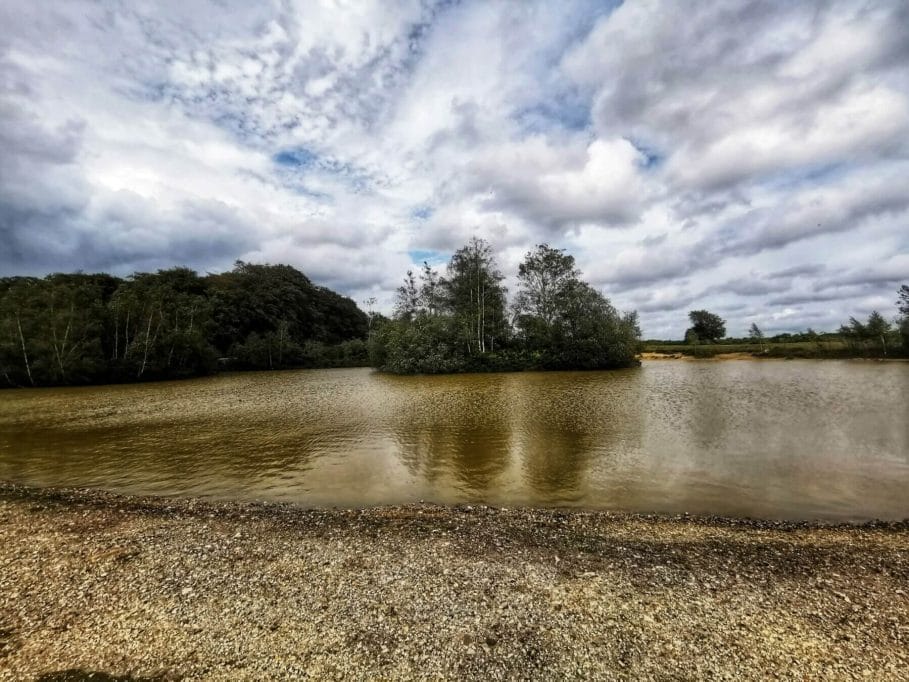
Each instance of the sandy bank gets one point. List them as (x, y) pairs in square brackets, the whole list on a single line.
[(170, 589), (656, 355)]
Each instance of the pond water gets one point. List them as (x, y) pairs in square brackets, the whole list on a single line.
[(774, 439)]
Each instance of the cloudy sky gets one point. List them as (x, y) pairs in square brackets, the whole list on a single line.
[(751, 158)]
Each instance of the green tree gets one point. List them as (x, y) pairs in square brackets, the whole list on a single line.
[(430, 290), (407, 298), (591, 334), (903, 301), (854, 334), (903, 321), (877, 328), (427, 344), (474, 295), (265, 315), (161, 325), (547, 279), (51, 329), (707, 326), (19, 330)]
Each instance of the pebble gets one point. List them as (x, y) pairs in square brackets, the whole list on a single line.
[(153, 589)]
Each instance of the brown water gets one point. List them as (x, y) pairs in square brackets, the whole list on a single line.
[(798, 440)]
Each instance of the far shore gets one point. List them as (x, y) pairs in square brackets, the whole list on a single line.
[(144, 588), (659, 355)]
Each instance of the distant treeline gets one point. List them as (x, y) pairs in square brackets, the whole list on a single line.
[(461, 321), (876, 337), (88, 328)]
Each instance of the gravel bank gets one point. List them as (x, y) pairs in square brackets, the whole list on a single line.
[(150, 588)]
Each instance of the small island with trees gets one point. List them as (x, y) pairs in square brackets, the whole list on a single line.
[(461, 322)]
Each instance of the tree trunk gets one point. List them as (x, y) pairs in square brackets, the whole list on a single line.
[(147, 337), (60, 349), (126, 336), (28, 367), (116, 330)]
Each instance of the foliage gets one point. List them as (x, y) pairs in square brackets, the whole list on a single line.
[(473, 295), (458, 322), (548, 279), (706, 326), (874, 333), (903, 321), (51, 329), (427, 344), (78, 328), (756, 334)]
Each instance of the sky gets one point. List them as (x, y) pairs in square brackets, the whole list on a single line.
[(750, 158)]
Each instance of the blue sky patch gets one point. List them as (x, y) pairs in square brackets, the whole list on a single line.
[(569, 113), (417, 257), (422, 212), (295, 158), (652, 156)]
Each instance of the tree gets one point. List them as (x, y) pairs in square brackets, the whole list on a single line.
[(51, 329), (877, 328), (78, 328), (407, 298), (430, 289), (264, 316), (161, 325), (903, 306), (546, 278), (564, 321), (426, 344), (474, 294), (707, 326), (756, 334), (589, 332)]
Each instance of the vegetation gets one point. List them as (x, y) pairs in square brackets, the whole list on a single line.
[(903, 321), (705, 327), (460, 321), (755, 334), (875, 337), (87, 328), (78, 328)]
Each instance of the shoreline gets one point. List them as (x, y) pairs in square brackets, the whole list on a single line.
[(742, 355), (166, 588), (641, 357)]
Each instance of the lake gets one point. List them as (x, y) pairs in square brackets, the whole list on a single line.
[(775, 439)]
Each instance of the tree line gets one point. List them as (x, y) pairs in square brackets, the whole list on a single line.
[(89, 328), (876, 335), (461, 320)]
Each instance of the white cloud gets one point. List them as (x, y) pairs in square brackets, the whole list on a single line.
[(684, 153)]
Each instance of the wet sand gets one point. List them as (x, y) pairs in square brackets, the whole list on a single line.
[(155, 588)]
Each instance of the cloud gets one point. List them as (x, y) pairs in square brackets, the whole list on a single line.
[(734, 92), (727, 156), (601, 184)]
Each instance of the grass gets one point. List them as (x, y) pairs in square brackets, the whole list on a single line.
[(795, 349)]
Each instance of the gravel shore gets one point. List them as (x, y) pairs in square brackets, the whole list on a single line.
[(163, 589)]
